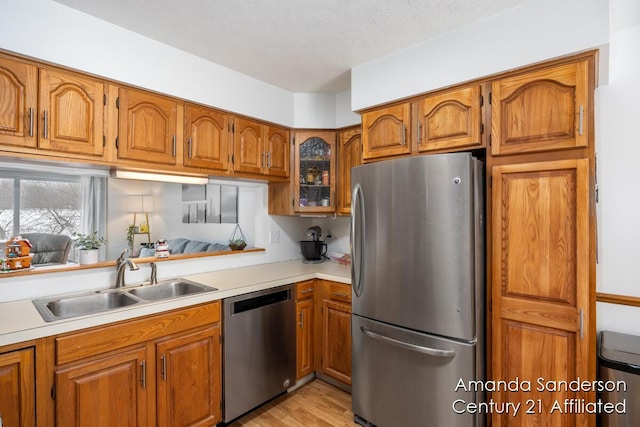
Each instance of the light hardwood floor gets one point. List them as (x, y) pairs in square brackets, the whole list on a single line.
[(314, 404)]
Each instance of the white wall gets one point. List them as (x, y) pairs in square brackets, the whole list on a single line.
[(535, 31), (77, 40), (53, 32), (618, 150)]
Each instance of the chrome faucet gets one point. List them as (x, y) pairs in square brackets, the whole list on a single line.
[(154, 273), (120, 272), (120, 258)]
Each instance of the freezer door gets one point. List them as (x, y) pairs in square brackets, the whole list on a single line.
[(416, 243), (405, 378)]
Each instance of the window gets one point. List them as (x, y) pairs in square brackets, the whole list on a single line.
[(39, 203)]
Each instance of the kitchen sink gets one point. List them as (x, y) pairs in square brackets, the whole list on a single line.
[(67, 306), (80, 305), (167, 290)]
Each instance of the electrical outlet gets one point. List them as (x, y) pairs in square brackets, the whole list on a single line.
[(274, 236)]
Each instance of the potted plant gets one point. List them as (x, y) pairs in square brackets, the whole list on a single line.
[(131, 230), (237, 241), (88, 245)]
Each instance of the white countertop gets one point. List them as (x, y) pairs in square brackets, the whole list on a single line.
[(20, 321)]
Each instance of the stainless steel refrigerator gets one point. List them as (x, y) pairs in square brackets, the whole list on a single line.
[(418, 291)]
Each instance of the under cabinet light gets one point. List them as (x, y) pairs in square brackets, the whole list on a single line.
[(149, 176)]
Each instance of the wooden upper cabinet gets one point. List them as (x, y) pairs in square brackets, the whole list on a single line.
[(542, 268), (450, 119), (147, 127), (248, 154), (277, 152), (189, 380), (207, 138), (71, 113), (18, 388), (314, 182), (547, 109), (386, 132), (349, 155), (18, 103)]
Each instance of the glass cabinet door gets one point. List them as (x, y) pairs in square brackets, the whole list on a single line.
[(315, 172)]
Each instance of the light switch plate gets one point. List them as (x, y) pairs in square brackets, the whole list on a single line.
[(274, 236)]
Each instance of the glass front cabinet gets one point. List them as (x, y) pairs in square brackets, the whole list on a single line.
[(315, 171)]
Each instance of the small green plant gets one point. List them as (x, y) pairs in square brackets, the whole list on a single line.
[(88, 241), (237, 241), (131, 230), (237, 245)]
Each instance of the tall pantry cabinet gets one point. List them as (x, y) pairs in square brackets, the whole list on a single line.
[(542, 241)]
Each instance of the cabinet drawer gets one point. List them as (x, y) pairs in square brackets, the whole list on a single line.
[(78, 345), (338, 292), (305, 289)]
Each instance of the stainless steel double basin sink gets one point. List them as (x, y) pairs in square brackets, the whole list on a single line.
[(68, 306)]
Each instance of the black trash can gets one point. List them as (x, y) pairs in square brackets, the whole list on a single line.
[(619, 374)]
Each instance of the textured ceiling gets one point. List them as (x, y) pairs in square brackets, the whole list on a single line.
[(298, 45)]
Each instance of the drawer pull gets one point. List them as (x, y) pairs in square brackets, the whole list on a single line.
[(306, 291), (143, 374), (31, 112), (339, 295), (163, 361), (46, 125)]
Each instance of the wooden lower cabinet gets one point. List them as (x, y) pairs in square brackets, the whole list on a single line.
[(335, 331), (323, 338), (112, 390), (165, 370), (189, 379), (304, 331), (336, 340), (17, 388)]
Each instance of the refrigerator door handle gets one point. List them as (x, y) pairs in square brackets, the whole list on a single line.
[(357, 236), (413, 347)]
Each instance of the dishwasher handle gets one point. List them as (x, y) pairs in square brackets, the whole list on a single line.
[(254, 303)]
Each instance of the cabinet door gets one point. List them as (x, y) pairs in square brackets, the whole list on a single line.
[(336, 341), (548, 109), (18, 108), (450, 120), (17, 388), (304, 338), (315, 171), (109, 391), (72, 113), (207, 135), (189, 387), (386, 132), (349, 155), (248, 152), (147, 126), (541, 285), (277, 152)]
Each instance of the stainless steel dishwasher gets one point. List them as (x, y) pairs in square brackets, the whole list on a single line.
[(259, 348)]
